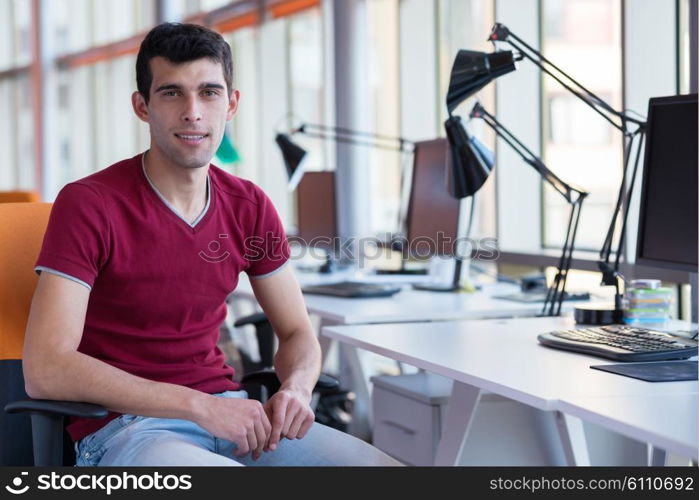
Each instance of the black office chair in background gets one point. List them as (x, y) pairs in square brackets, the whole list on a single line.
[(333, 406)]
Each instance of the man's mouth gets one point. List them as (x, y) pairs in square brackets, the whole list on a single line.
[(192, 139)]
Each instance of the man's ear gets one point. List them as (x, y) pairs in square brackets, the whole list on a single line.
[(233, 104), (139, 106)]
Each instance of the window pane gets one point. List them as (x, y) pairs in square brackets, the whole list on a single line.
[(95, 121), (112, 21), (582, 37), (8, 148), (207, 5), (385, 165), (71, 24), (306, 81), (245, 125), (6, 35), (17, 167), (24, 161), (74, 124), (23, 35), (684, 39)]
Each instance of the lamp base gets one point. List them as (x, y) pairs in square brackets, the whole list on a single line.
[(598, 314), (436, 287)]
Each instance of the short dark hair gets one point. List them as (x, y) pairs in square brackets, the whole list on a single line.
[(179, 43)]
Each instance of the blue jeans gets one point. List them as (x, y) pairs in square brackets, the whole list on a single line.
[(131, 440)]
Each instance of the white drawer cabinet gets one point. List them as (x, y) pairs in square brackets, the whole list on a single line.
[(408, 413)]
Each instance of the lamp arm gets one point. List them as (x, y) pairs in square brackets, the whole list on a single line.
[(556, 293), (346, 135), (634, 176), (610, 273), (501, 33), (357, 142), (565, 189)]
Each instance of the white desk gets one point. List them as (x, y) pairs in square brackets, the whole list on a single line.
[(406, 306), (668, 421), (504, 357)]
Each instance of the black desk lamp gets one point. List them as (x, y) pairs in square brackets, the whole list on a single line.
[(472, 164), (293, 154), (622, 122)]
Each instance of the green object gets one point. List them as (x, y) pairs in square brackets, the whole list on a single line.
[(226, 152)]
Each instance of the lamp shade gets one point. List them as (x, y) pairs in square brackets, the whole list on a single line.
[(470, 163), (293, 156), (485, 154), (474, 70)]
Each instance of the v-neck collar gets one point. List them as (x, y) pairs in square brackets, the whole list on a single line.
[(167, 204)]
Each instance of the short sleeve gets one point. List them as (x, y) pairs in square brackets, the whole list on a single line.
[(267, 249), (76, 243)]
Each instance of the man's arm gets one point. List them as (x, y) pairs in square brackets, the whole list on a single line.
[(54, 369), (297, 361)]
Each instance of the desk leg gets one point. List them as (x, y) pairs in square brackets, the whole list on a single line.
[(353, 377), (325, 342), (572, 434), (460, 412), (658, 457), (360, 426)]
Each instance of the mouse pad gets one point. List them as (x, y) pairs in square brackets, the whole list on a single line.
[(656, 371)]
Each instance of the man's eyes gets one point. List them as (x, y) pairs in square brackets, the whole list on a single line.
[(205, 93)]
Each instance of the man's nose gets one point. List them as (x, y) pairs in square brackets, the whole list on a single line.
[(191, 112)]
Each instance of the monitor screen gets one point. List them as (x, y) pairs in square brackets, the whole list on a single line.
[(667, 231), (433, 215), (315, 204)]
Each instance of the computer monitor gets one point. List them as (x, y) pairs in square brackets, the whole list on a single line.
[(432, 219), (316, 214), (667, 231)]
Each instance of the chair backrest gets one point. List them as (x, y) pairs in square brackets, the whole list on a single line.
[(22, 227), (19, 197)]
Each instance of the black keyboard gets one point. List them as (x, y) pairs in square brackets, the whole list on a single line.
[(352, 289), (622, 343)]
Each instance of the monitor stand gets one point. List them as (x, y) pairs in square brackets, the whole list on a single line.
[(402, 270), (454, 286)]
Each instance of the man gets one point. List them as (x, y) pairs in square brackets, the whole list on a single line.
[(136, 265)]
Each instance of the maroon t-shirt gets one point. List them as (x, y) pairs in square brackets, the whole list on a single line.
[(158, 283)]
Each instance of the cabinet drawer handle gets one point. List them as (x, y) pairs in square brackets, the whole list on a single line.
[(404, 429)]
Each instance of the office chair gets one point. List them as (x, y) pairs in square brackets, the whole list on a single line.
[(332, 405), (19, 197), (261, 372), (41, 422)]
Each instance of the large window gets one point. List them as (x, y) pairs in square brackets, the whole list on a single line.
[(17, 147), (582, 37)]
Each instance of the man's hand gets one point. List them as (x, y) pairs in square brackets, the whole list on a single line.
[(242, 421), (291, 415)]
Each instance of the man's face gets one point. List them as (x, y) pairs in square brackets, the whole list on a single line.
[(187, 111)]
